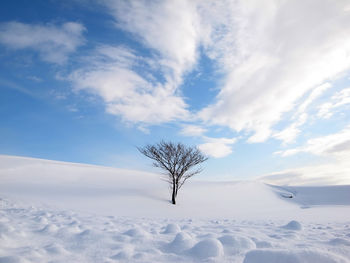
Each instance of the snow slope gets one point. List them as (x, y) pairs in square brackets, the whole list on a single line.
[(308, 196), (63, 212)]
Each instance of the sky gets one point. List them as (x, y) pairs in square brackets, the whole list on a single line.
[(261, 87)]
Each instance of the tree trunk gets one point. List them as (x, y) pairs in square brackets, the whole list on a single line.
[(174, 194), (176, 189)]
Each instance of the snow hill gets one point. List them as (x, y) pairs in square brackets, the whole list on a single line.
[(63, 212)]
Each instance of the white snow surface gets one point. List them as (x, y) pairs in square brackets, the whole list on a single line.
[(63, 212)]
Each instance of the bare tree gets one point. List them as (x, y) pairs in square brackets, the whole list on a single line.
[(176, 159)]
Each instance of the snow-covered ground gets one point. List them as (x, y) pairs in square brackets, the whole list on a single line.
[(63, 212)]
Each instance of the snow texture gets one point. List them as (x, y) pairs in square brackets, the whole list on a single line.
[(293, 225), (60, 212)]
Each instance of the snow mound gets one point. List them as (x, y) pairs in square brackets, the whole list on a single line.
[(293, 225), (42, 220), (236, 244), (69, 230), (126, 253), (136, 232), (87, 235), (279, 256), (181, 242), (55, 249), (49, 228), (208, 248), (172, 229)]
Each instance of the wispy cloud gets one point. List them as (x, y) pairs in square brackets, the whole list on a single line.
[(217, 147), (135, 97), (273, 53), (169, 28), (340, 99), (290, 133), (275, 57), (35, 78), (14, 86), (53, 43)]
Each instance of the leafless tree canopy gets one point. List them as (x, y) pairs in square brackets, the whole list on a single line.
[(176, 160)]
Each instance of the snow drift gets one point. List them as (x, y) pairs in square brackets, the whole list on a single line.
[(111, 191)]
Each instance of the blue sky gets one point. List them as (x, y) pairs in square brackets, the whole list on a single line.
[(262, 87)]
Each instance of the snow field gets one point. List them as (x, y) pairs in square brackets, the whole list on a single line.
[(120, 192), (34, 234), (62, 212)]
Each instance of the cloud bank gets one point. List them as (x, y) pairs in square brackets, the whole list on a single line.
[(332, 173)]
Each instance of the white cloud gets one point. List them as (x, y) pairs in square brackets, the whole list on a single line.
[(169, 28), (300, 117), (340, 99), (290, 133), (110, 74), (337, 144), (145, 89), (314, 95), (273, 53), (217, 147), (192, 130), (53, 43)]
